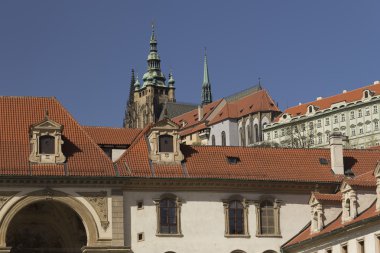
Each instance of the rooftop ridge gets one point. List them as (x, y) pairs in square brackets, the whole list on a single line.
[(243, 93)]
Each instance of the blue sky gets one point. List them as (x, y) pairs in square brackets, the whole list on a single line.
[(82, 51)]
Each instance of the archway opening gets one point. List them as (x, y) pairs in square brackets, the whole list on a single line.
[(46, 226)]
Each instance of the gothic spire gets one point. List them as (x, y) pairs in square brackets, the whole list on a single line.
[(130, 101), (206, 86)]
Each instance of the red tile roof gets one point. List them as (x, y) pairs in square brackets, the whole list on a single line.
[(254, 102), (111, 135), (17, 114), (324, 103), (275, 164), (328, 197), (335, 225)]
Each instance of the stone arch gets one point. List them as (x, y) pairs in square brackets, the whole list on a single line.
[(38, 196), (269, 251)]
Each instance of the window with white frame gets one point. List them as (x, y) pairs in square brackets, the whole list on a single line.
[(367, 111), (343, 117), (360, 113), (275, 134), (361, 131), (352, 114), (327, 121), (375, 110), (376, 125), (319, 139), (319, 123), (311, 125), (335, 119), (282, 132), (268, 136), (353, 131)]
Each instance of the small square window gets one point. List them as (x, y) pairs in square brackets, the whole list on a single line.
[(140, 237), (140, 205)]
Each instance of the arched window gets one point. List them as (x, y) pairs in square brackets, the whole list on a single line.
[(242, 136), (223, 138), (238, 251), (213, 140), (348, 207), (165, 143), (236, 212), (268, 217), (256, 127), (168, 215), (47, 145)]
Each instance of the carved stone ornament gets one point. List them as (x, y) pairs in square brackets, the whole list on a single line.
[(99, 201), (5, 196)]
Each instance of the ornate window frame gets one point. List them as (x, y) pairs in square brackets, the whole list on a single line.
[(226, 204), (178, 206), (349, 203), (45, 128), (276, 216)]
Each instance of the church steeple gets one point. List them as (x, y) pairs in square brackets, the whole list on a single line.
[(206, 86), (153, 76), (129, 106)]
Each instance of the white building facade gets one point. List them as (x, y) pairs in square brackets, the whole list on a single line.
[(354, 113)]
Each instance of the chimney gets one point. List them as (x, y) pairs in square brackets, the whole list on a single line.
[(344, 91), (336, 152), (319, 98), (376, 82), (200, 112)]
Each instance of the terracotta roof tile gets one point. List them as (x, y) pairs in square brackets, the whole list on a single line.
[(275, 164), (17, 114), (111, 135), (328, 197)]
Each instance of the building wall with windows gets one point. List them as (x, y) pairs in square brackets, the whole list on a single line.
[(311, 124), (229, 127), (203, 221)]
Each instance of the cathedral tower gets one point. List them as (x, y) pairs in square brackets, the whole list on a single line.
[(150, 97)]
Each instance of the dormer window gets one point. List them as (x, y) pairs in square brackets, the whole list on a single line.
[(367, 94), (310, 109), (349, 203), (166, 143), (46, 142), (47, 145)]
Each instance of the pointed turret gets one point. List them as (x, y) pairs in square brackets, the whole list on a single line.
[(130, 101), (206, 86), (153, 76)]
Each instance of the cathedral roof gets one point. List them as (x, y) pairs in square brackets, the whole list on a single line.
[(17, 114), (174, 109)]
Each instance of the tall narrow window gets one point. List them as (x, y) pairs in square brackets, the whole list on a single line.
[(367, 111), (165, 143), (360, 114), (213, 140), (361, 246), (267, 217), (168, 216), (257, 134), (344, 248), (223, 138), (352, 114), (375, 109), (343, 117), (236, 217), (47, 144), (327, 121)]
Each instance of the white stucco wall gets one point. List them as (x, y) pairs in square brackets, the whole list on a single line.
[(203, 223), (370, 234), (230, 127)]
